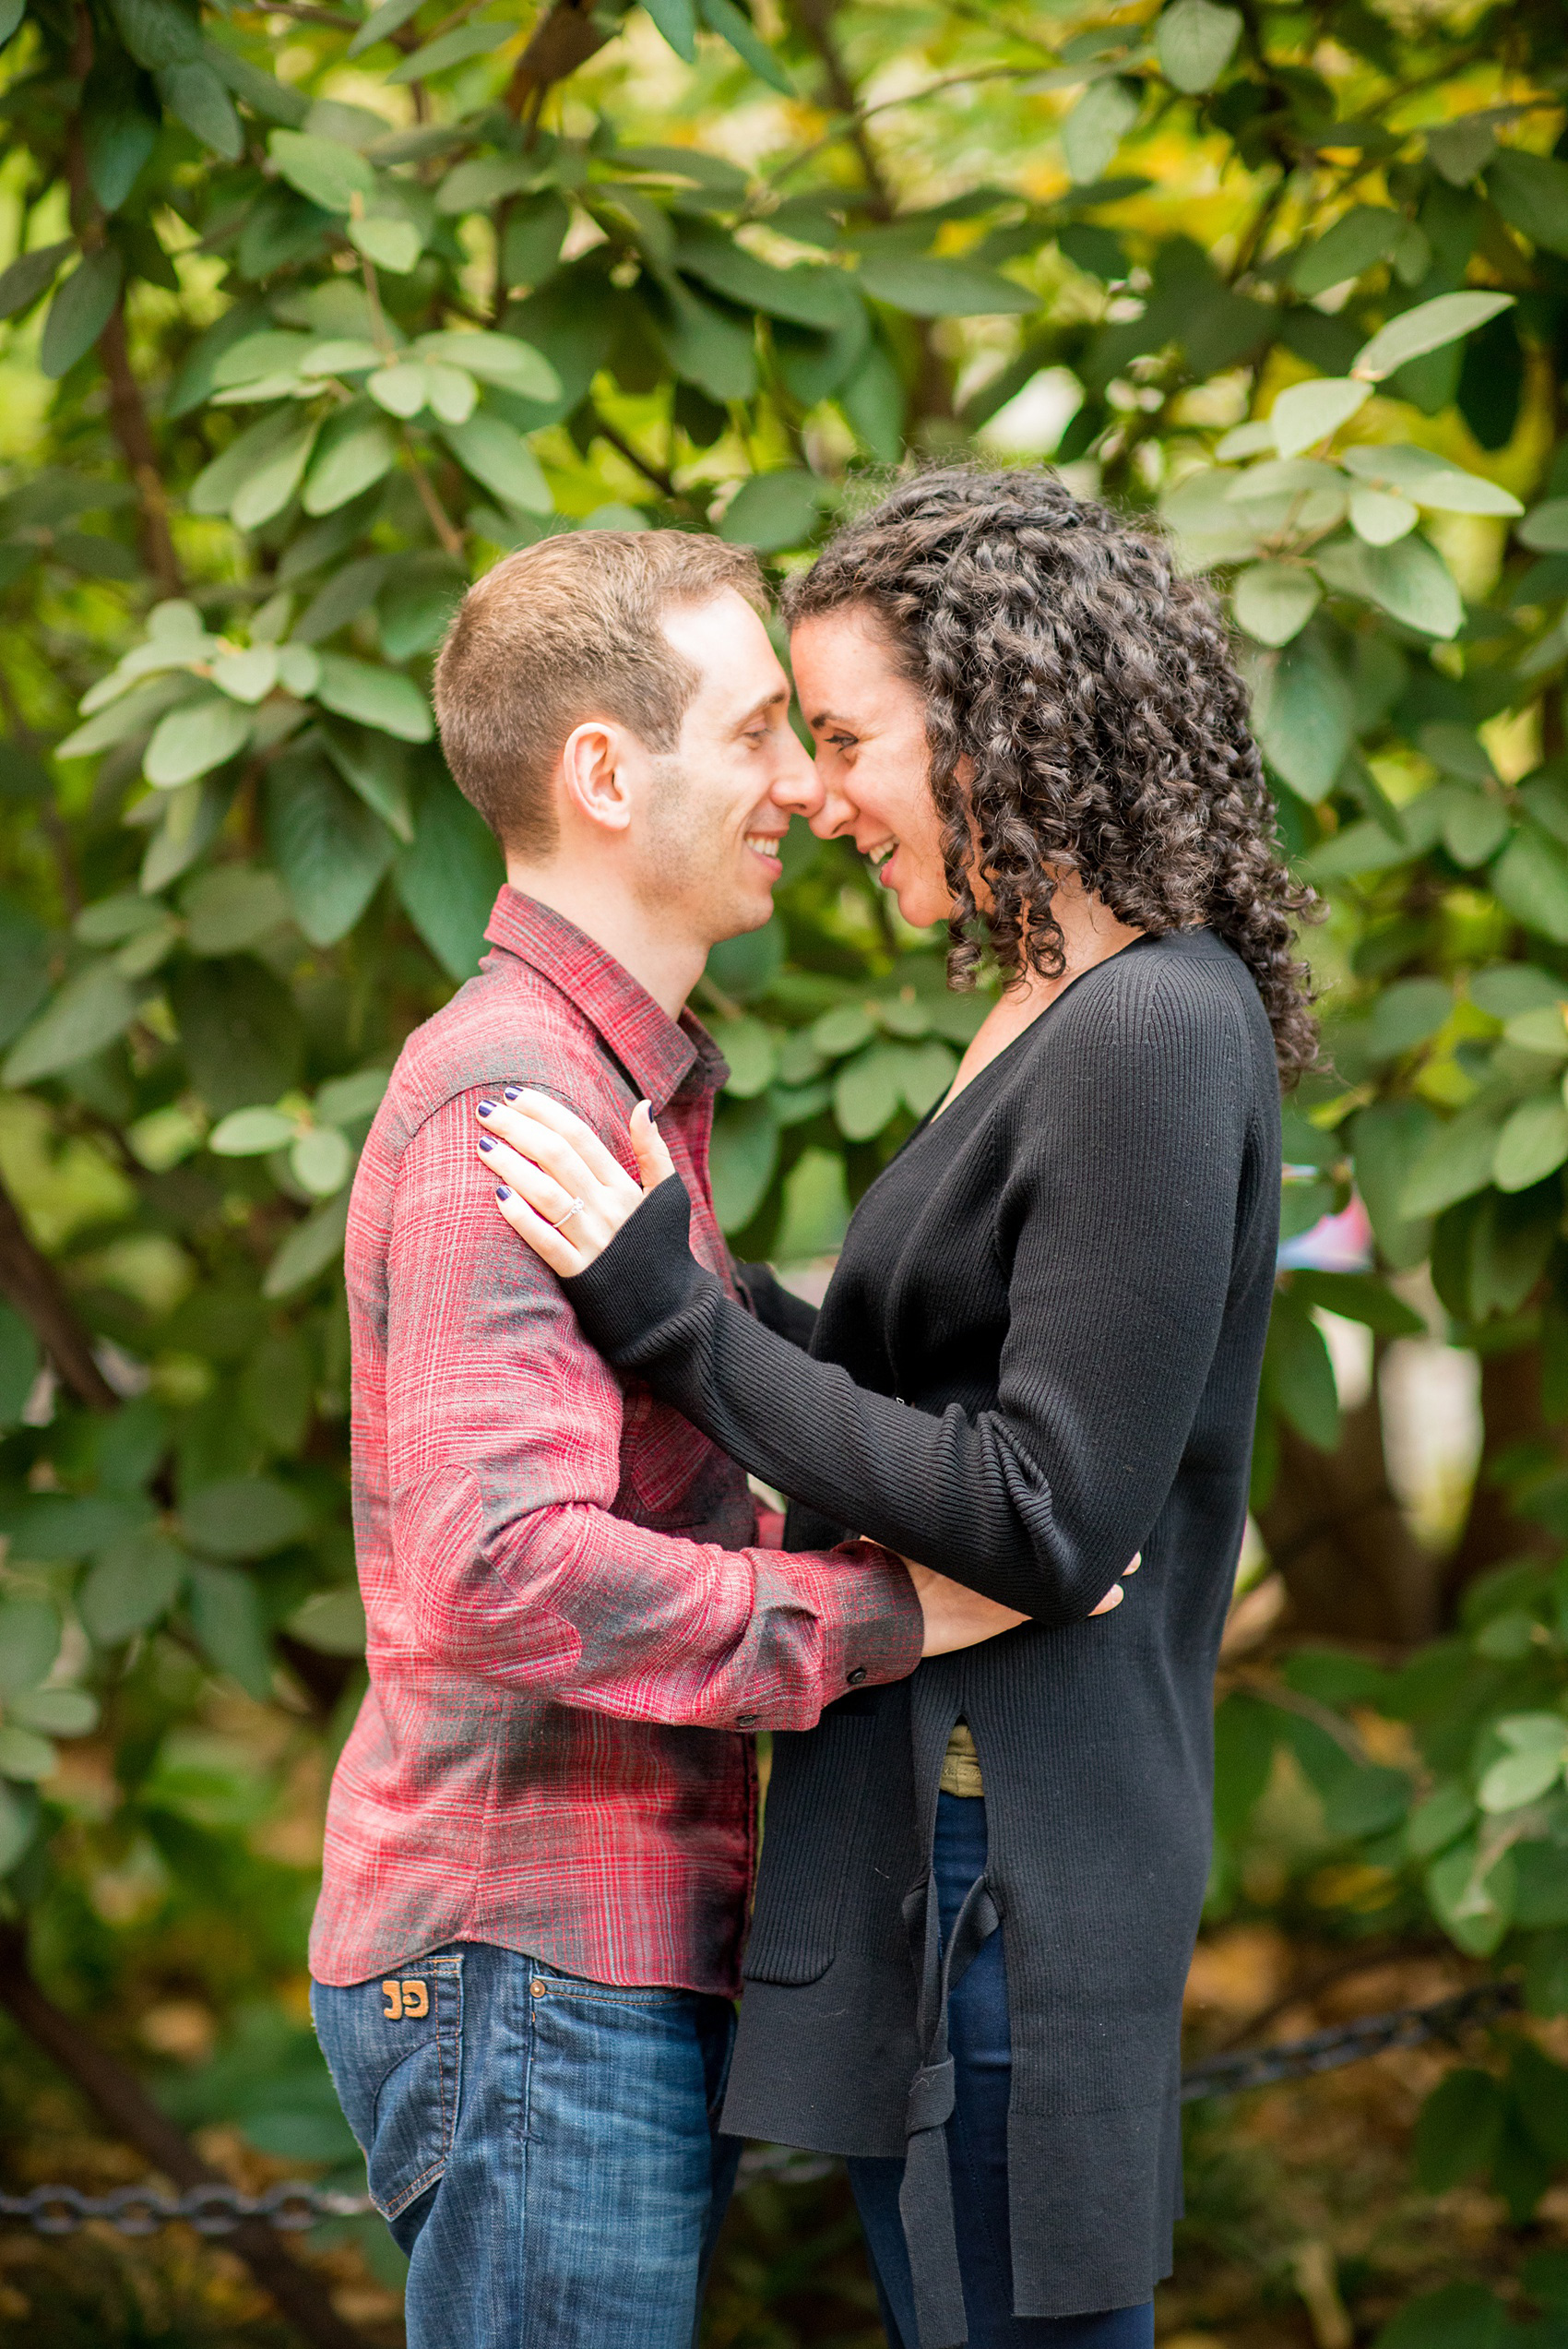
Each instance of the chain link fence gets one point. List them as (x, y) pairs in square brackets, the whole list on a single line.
[(217, 2210)]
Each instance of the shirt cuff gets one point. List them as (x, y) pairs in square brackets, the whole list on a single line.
[(872, 1626)]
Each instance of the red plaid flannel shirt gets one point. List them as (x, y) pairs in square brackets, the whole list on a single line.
[(569, 1625)]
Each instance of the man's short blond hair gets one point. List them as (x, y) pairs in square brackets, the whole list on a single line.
[(566, 630)]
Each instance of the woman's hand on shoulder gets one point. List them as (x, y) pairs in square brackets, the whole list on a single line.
[(557, 1185)]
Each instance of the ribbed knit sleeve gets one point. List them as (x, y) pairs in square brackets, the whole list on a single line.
[(777, 1307), (1120, 1135)]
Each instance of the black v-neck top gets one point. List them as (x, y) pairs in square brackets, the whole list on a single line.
[(1038, 1353)]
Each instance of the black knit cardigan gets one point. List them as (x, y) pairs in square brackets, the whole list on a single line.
[(1039, 1353)]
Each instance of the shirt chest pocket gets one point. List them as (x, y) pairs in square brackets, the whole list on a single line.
[(671, 1477)]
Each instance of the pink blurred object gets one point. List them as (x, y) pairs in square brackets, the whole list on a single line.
[(1341, 1243)]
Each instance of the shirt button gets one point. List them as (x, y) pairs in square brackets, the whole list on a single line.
[(745, 1721), (855, 1678)]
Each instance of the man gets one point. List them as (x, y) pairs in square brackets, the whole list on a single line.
[(541, 1833)]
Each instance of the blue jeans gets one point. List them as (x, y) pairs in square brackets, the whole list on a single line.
[(545, 2149), (976, 2148)]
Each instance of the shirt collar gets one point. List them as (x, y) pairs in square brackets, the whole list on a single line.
[(659, 1054)]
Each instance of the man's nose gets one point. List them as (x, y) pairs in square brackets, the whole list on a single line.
[(796, 785)]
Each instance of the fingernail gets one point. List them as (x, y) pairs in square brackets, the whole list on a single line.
[(511, 1093), (502, 1192), (487, 1141), (487, 1109)]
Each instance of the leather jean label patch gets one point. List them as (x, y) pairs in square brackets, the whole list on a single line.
[(406, 2001)]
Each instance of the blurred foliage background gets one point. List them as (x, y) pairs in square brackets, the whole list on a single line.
[(308, 316)]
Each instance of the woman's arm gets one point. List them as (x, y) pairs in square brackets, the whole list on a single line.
[(777, 1307), (1120, 1221)]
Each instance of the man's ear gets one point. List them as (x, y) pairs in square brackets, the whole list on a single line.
[(593, 778)]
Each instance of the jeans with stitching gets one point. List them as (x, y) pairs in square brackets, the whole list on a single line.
[(977, 2146), (545, 2149)]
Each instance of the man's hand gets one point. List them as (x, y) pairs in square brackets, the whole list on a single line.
[(956, 1617)]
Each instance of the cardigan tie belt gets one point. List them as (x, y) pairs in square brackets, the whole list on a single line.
[(925, 2198)]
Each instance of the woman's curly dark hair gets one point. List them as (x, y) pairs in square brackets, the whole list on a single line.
[(1093, 690)]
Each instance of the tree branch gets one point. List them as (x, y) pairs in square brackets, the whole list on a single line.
[(124, 2104), (128, 416), (30, 1283)]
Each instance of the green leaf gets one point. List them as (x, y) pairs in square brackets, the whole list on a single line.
[(247, 676), (244, 1517), (158, 33), (193, 739), (1533, 1144), (1274, 601), (1460, 2316), (499, 458), (929, 288), (13, 11), (29, 1642), (1459, 2129), (56, 1712), (328, 848), (81, 309), (1195, 41), (354, 450), (1518, 1779), (751, 1052), (817, 1208), (25, 1755), (774, 510), (268, 489), (89, 1011), (1361, 238), (449, 878), (218, 484), (677, 20), (1379, 517), (19, 1824), (232, 907), (416, 603), (501, 359), (377, 766), (1545, 527), (868, 1092), (246, 1133), (1531, 879), (706, 346), (807, 297), (1305, 414), (240, 1032), (195, 95), (1454, 1164), (723, 18), (118, 134), (20, 1359), (1406, 1014), (379, 698), (388, 19), (1531, 192), (132, 1584), (484, 180), (31, 275), (1413, 583), (332, 1622), (388, 237), (321, 1161), (1428, 326), (1474, 1911), (1428, 480), (265, 96), (925, 1071), (1096, 127), (452, 49), (227, 1620), (1300, 1373), (309, 1249), (329, 174), (1358, 1296), (1304, 717), (744, 1155)]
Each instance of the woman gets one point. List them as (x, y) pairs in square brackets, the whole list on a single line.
[(1038, 1355)]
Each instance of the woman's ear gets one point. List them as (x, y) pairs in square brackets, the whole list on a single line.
[(593, 781)]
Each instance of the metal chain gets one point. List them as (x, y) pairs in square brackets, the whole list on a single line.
[(292, 2207)]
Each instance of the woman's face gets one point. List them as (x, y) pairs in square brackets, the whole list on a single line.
[(873, 760)]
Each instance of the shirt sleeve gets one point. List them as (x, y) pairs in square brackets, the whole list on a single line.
[(504, 1441), (1116, 1219)]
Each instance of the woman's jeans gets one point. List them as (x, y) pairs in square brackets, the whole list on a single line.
[(977, 2147), (546, 2150)]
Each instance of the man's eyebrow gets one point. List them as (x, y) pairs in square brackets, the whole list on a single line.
[(767, 701)]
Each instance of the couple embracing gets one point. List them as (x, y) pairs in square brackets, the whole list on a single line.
[(1035, 1368)]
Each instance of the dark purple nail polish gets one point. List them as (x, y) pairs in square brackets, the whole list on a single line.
[(486, 1141), (511, 1094), (502, 1192), (487, 1109)]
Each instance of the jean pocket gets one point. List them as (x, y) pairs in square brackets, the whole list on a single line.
[(395, 2050)]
